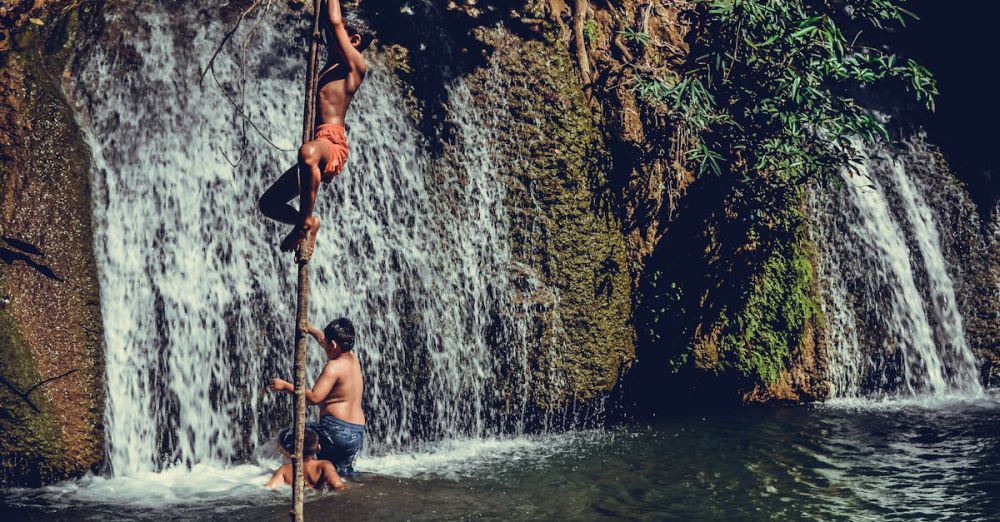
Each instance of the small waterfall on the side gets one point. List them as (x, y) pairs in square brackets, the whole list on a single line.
[(197, 300), (893, 320)]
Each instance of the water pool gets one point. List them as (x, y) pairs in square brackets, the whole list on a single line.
[(848, 460)]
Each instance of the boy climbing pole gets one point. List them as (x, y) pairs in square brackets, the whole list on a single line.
[(323, 158)]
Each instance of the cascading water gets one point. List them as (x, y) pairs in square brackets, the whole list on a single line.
[(196, 298), (894, 325)]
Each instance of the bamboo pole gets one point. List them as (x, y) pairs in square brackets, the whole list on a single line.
[(302, 259)]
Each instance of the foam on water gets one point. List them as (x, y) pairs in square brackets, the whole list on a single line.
[(176, 485), (455, 458), (239, 484), (942, 402)]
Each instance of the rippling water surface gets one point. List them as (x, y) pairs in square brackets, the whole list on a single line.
[(850, 460)]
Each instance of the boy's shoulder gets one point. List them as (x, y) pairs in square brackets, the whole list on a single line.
[(321, 465), (339, 361)]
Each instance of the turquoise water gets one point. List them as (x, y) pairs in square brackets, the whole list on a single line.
[(847, 461)]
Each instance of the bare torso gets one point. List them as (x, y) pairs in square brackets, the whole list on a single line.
[(344, 399), (337, 85), (316, 473)]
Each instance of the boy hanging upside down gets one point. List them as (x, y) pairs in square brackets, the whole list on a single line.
[(324, 157)]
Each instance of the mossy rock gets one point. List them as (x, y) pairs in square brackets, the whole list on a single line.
[(730, 303), (566, 235)]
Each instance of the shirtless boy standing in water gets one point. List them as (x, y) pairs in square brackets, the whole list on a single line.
[(323, 158), (338, 391)]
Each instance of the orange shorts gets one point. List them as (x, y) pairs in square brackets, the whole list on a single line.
[(335, 137)]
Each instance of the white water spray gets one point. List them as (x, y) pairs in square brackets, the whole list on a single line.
[(893, 317), (197, 301)]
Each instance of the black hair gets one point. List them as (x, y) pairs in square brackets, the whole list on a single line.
[(342, 331), (310, 441), (355, 24)]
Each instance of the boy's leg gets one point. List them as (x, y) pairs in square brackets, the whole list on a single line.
[(274, 202), (311, 156)]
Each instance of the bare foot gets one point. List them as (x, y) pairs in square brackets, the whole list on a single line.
[(293, 239), (299, 234), (305, 249)]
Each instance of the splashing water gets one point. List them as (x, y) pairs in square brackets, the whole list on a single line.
[(198, 303), (893, 319)]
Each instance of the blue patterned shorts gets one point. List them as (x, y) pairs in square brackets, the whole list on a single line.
[(340, 441)]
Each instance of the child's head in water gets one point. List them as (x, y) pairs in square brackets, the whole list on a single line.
[(316, 473), (310, 442)]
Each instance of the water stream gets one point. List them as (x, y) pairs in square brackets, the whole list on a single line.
[(196, 297), (893, 319), (919, 459)]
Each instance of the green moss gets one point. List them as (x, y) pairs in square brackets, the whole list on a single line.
[(32, 440), (758, 339), (564, 231), (732, 299)]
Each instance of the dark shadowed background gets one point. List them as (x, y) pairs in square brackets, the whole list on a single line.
[(958, 41)]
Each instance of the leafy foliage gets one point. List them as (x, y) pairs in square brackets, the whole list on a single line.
[(633, 35), (590, 31), (769, 91)]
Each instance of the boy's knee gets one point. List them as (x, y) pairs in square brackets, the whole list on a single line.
[(309, 154), (262, 203)]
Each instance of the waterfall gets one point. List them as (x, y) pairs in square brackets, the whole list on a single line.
[(893, 320), (197, 300)]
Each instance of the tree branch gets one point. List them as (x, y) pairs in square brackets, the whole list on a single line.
[(25, 396)]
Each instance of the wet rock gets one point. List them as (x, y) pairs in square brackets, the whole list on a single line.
[(970, 249), (570, 244), (51, 341)]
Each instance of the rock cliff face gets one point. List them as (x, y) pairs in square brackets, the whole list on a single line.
[(51, 356), (728, 309), (721, 304), (566, 236), (571, 259), (993, 264), (967, 251)]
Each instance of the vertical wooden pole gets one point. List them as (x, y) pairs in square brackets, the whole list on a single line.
[(302, 259)]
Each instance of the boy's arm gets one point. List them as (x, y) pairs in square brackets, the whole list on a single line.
[(333, 480), (281, 385), (354, 58), (278, 479), (321, 388), (317, 334)]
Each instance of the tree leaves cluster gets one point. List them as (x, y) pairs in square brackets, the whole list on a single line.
[(770, 88)]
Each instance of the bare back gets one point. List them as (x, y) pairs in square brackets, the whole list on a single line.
[(336, 90), (317, 474), (344, 399)]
